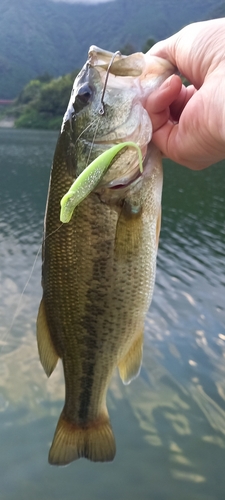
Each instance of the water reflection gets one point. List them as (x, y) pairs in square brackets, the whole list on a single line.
[(170, 422)]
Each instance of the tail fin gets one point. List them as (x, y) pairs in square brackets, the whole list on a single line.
[(95, 442)]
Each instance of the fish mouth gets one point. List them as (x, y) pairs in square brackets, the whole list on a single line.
[(119, 86), (125, 168), (137, 74), (117, 63)]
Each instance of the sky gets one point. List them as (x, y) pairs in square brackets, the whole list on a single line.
[(83, 1)]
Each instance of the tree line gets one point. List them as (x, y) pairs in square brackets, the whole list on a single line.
[(43, 101)]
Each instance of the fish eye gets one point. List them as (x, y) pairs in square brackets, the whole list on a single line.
[(83, 97), (85, 93)]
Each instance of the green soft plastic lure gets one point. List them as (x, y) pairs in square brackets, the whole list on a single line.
[(90, 177)]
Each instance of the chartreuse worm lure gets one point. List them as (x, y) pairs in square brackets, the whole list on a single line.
[(90, 177)]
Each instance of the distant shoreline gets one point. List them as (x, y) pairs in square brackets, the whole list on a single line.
[(7, 122)]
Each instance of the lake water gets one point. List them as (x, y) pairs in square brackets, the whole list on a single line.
[(170, 422)]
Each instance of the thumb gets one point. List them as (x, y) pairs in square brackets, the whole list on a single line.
[(164, 49)]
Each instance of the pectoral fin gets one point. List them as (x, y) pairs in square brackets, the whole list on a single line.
[(130, 365), (47, 352), (129, 230)]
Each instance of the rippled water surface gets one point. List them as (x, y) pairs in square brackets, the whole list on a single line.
[(170, 422)]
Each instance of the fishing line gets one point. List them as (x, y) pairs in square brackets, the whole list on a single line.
[(4, 337), (94, 136), (93, 140), (88, 126), (101, 112)]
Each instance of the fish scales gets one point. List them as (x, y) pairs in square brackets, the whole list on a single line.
[(98, 277)]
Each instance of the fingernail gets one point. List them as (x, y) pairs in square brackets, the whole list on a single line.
[(167, 81)]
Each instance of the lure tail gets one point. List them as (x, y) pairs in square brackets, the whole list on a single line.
[(95, 441)]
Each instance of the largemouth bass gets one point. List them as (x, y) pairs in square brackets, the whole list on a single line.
[(98, 269)]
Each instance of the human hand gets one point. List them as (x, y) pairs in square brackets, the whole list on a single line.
[(189, 123)]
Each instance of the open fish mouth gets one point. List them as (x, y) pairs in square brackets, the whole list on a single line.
[(125, 168), (108, 107), (120, 76), (119, 64), (135, 76)]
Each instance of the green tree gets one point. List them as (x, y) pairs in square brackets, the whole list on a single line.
[(45, 77), (30, 92), (148, 44), (127, 49), (42, 104)]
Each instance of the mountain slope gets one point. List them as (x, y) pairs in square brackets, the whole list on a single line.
[(38, 36), (218, 11)]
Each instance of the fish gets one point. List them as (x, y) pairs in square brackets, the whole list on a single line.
[(98, 269)]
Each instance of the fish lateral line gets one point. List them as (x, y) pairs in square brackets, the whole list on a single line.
[(90, 177)]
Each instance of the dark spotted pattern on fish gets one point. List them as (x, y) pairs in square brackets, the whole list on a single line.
[(98, 270)]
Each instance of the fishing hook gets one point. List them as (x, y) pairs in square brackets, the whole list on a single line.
[(102, 108)]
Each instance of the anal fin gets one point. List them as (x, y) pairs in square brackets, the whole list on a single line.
[(47, 352), (130, 365)]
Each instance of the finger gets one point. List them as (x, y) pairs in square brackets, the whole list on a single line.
[(167, 139), (185, 148), (164, 49), (179, 104), (165, 95), (158, 103)]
